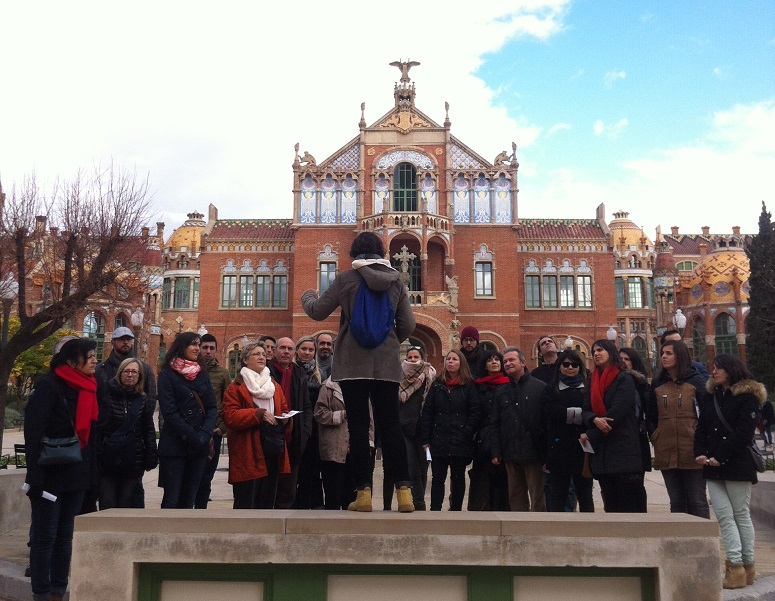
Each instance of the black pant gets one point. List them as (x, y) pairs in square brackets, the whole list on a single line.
[(559, 485), (203, 494), (336, 478), (457, 471), (117, 492), (257, 494), (384, 403), (622, 493)]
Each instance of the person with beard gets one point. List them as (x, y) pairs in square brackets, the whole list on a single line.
[(474, 354), (293, 382), (309, 491), (489, 489), (547, 352), (269, 344), (325, 354)]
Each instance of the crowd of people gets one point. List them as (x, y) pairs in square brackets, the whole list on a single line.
[(304, 420)]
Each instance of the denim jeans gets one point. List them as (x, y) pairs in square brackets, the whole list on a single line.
[(732, 506), (180, 477), (205, 487), (51, 545), (686, 489)]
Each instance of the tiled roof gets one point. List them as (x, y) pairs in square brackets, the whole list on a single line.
[(251, 229), (689, 244), (560, 229)]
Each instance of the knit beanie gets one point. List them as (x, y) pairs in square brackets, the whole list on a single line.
[(469, 332)]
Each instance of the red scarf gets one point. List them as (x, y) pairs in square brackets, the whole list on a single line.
[(286, 375), (601, 380), (493, 379), (86, 410), (452, 383), (187, 369)]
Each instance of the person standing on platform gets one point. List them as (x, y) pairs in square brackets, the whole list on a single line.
[(220, 379)]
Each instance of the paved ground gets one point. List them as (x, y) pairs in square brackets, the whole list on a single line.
[(14, 551)]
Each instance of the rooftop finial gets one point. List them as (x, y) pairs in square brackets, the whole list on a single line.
[(404, 66)]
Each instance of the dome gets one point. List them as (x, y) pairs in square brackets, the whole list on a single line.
[(187, 235), (624, 227), (719, 270)]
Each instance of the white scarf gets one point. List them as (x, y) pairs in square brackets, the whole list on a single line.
[(260, 387)]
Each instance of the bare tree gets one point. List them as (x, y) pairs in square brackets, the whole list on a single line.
[(94, 224)]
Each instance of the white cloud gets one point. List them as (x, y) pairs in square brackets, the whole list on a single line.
[(558, 127), (210, 99), (612, 76), (611, 131)]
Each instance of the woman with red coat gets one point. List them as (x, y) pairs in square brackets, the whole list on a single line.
[(253, 399)]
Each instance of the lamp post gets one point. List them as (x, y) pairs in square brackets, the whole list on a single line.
[(202, 330), (9, 291), (611, 334), (137, 322), (568, 342)]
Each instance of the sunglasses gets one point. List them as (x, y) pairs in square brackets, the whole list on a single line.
[(570, 364)]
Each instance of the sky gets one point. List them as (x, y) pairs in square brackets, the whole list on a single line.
[(662, 109)]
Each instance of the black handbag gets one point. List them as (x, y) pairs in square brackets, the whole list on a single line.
[(753, 449), (60, 451), (272, 439), (119, 450)]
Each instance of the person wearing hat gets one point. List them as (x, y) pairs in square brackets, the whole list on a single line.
[(474, 354), (122, 343)]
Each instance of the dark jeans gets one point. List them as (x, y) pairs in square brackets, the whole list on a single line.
[(384, 403), (686, 489), (457, 472), (418, 474), (309, 491), (51, 545), (489, 486), (336, 477), (286, 487), (203, 494), (117, 492), (257, 494), (559, 485), (622, 493), (180, 477)]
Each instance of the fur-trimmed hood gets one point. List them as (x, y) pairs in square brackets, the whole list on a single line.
[(743, 386), (636, 375)]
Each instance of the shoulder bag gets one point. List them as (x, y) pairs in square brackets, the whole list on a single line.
[(211, 451), (756, 456), (60, 451)]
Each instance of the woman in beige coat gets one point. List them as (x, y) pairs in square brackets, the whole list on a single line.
[(334, 439)]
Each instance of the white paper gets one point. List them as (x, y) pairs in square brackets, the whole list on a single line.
[(428, 454), (48, 496), (587, 446), (287, 415)]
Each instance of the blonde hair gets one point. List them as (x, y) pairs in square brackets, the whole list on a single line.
[(140, 375)]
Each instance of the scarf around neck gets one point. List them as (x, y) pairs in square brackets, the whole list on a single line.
[(86, 409), (572, 381), (260, 386), (414, 377), (493, 379), (187, 369), (314, 379), (601, 381)]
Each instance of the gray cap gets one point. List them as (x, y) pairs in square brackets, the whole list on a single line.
[(122, 332), (61, 342)]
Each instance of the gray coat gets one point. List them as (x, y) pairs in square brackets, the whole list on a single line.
[(351, 360)]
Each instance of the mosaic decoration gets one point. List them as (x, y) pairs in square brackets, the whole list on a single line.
[(381, 193), (483, 254), (349, 159), (349, 199), (405, 156), (263, 267), (280, 268), (747, 287), (328, 200), (461, 159), (428, 191), (532, 267), (696, 291), (481, 200), (246, 268), (502, 200), (566, 267), (229, 268), (328, 254), (308, 204), (461, 201), (722, 288), (549, 267), (583, 267)]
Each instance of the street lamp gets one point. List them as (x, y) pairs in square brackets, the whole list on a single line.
[(9, 291), (611, 334), (137, 321), (202, 330), (568, 342), (679, 320)]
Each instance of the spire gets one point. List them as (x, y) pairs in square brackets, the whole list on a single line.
[(403, 92)]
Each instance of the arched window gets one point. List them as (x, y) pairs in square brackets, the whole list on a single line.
[(698, 341), (120, 321), (405, 187), (94, 328), (726, 335)]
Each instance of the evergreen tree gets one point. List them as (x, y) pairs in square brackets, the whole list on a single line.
[(760, 325)]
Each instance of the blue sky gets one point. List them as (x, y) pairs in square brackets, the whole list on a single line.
[(664, 109)]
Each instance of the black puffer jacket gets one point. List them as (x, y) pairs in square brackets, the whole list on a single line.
[(619, 452), (186, 431), (113, 411), (739, 405), (449, 420), (562, 412), (518, 429)]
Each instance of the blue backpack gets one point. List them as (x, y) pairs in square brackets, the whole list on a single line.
[(372, 317)]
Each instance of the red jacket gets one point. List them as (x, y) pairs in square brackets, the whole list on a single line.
[(246, 458)]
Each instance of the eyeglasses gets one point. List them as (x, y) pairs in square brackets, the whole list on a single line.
[(468, 339), (131, 372), (570, 364), (262, 355)]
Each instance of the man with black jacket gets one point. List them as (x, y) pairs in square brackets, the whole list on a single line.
[(293, 382), (519, 434)]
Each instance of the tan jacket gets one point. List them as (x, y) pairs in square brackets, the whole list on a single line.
[(333, 436), (673, 439)]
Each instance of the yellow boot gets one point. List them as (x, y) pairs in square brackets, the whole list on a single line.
[(735, 577), (750, 573), (404, 497), (362, 500)]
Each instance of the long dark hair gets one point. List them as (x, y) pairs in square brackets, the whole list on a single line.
[(637, 362), (734, 368), (178, 347), (489, 354), (682, 357), (569, 355), (610, 348), (74, 350)]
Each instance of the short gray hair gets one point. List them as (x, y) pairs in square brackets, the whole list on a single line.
[(514, 349), (249, 348)]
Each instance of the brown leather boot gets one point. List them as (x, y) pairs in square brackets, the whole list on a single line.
[(405, 502), (750, 573), (735, 577), (362, 500)]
